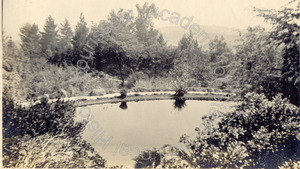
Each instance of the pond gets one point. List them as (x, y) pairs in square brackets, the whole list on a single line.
[(119, 132)]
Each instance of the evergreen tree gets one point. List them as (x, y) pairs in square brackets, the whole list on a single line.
[(29, 35), (49, 38), (66, 35), (220, 48), (161, 39), (81, 33), (190, 62)]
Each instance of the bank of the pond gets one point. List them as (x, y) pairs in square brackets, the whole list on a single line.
[(141, 96), (152, 96)]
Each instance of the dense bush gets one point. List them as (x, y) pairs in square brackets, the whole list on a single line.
[(53, 118), (258, 133), (45, 135), (290, 165), (164, 157), (47, 151)]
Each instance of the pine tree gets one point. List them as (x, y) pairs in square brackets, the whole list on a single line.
[(49, 38), (66, 35), (30, 40), (161, 40), (81, 33)]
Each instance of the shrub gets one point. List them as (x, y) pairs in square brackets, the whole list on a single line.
[(47, 151), (258, 133), (53, 118), (290, 165), (45, 135), (164, 157)]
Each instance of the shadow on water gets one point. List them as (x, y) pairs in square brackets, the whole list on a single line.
[(179, 103), (123, 105)]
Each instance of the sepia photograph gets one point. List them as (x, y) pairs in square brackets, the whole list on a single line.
[(150, 84)]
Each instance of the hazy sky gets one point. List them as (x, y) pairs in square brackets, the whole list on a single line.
[(228, 13)]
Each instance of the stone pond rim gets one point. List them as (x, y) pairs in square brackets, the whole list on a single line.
[(154, 96), (141, 96)]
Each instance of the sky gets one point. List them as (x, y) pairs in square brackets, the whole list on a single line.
[(227, 13)]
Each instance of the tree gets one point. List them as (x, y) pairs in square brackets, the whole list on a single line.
[(190, 63), (113, 59), (30, 38), (285, 35), (12, 68), (66, 36), (144, 29), (256, 65), (220, 48), (49, 38), (81, 33), (220, 58), (161, 39)]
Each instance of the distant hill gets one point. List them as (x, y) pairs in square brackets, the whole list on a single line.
[(173, 34)]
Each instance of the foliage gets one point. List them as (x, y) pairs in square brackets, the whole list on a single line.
[(45, 135), (49, 38), (285, 35), (30, 38), (290, 165), (256, 67), (258, 133), (164, 157), (47, 151), (154, 84), (53, 118), (65, 37), (143, 25), (81, 33), (12, 67), (189, 63), (220, 58)]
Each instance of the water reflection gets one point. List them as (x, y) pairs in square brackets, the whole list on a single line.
[(123, 105), (145, 125), (179, 103)]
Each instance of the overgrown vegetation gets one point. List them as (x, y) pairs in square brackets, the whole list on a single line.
[(263, 70), (263, 130), (259, 133), (45, 135)]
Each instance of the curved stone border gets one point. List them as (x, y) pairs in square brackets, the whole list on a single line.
[(140, 96)]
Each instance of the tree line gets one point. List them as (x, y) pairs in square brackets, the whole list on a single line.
[(263, 61)]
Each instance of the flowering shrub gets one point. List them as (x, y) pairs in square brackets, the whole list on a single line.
[(258, 133)]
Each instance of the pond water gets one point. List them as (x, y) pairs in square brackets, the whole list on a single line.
[(119, 132)]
